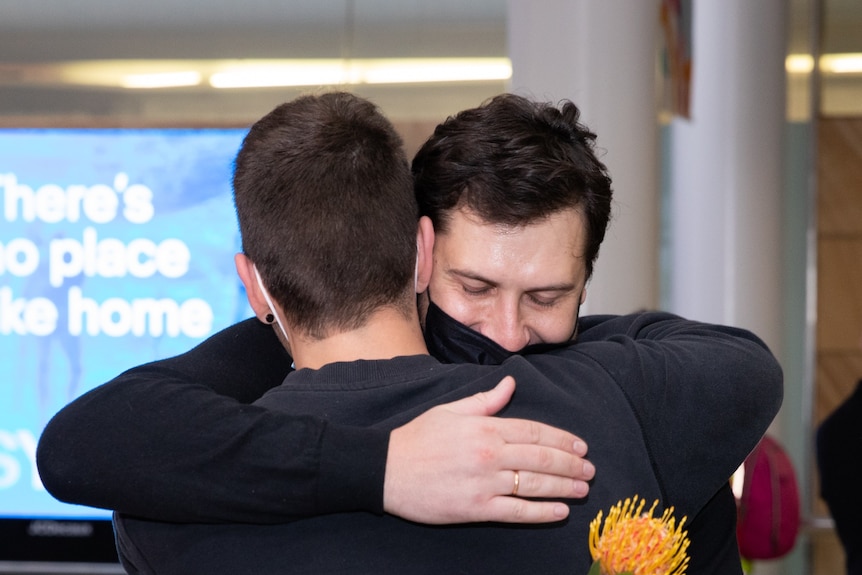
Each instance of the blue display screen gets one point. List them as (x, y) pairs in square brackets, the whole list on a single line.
[(116, 248)]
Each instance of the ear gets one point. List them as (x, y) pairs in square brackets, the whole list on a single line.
[(424, 249), (583, 295), (245, 270)]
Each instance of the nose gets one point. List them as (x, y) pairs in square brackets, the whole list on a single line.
[(506, 326)]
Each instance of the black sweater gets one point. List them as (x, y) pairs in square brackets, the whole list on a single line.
[(669, 408)]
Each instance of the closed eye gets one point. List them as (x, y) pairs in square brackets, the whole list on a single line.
[(543, 302), (476, 290)]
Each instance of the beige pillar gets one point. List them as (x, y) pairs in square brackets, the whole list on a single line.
[(601, 55)]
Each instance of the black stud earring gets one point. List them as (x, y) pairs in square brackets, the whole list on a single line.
[(270, 318)]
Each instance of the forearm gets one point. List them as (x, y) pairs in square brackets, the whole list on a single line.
[(174, 440), (705, 396), (167, 449), (722, 387)]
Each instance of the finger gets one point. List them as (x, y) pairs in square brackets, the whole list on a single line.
[(486, 402), (546, 460), (532, 484), (517, 510), (524, 431)]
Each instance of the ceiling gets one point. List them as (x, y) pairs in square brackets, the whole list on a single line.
[(38, 31), (45, 29), (99, 14), (32, 33), (50, 21)]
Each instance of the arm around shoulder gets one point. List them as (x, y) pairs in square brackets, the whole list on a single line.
[(153, 445), (174, 441), (704, 394)]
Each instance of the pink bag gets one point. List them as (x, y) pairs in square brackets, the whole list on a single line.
[(768, 507)]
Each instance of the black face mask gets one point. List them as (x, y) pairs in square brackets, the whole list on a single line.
[(450, 341)]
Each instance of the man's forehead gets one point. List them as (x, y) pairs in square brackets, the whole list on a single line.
[(542, 253), (560, 226)]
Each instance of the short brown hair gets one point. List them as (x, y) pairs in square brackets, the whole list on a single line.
[(324, 198)]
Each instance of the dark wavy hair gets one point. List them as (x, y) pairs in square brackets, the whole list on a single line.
[(514, 161)]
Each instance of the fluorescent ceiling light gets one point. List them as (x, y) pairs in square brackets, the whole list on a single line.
[(829, 63), (133, 74), (143, 74), (195, 74), (842, 63), (162, 79), (263, 74), (381, 71), (431, 70), (799, 64)]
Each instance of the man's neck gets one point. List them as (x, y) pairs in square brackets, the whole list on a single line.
[(387, 334)]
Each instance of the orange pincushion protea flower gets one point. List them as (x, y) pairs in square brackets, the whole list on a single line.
[(635, 542)]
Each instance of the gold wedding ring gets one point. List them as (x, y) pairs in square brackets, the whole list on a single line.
[(517, 484)]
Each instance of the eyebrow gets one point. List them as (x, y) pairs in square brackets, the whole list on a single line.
[(563, 287)]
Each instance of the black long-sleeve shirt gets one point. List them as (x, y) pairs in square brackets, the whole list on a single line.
[(157, 442), (669, 408)]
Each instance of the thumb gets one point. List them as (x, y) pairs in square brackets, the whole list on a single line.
[(486, 402)]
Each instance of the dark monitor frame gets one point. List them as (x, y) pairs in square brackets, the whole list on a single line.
[(55, 546)]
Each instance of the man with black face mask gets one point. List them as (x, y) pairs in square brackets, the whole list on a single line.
[(519, 205)]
